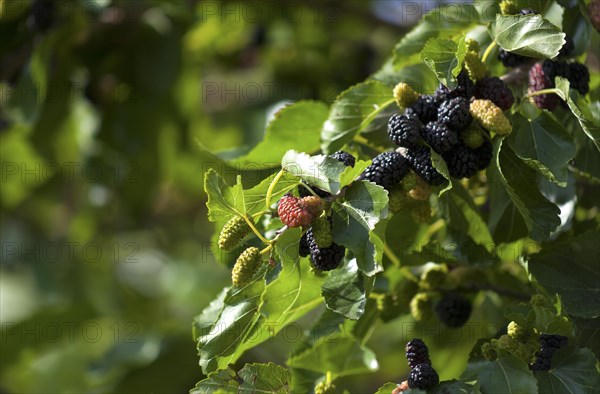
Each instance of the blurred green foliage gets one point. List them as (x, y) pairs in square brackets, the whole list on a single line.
[(107, 108)]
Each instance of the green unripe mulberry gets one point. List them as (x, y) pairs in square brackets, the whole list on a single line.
[(488, 352), (233, 232), (321, 230), (421, 306), (475, 67), (405, 95), (421, 211), (514, 347), (509, 7), (472, 136), (472, 45), (434, 277), (490, 116), (325, 388), (246, 266)]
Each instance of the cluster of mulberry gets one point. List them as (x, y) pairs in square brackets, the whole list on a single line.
[(422, 375), (317, 242), (549, 344), (541, 76), (444, 122)]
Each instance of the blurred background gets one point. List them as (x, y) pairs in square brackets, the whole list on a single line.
[(108, 112)]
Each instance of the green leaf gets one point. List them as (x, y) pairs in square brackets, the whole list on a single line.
[(504, 221), (544, 144), (295, 291), (571, 270), (549, 320), (440, 165), (580, 109), (354, 221), (320, 170), (222, 344), (203, 323), (573, 371), (297, 126), (344, 291), (264, 378), (338, 353), (444, 58), (223, 201), (441, 22), (462, 214), (352, 112), (255, 197), (505, 375), (222, 381), (253, 378), (351, 173), (588, 334), (387, 388), (528, 35), (540, 215)]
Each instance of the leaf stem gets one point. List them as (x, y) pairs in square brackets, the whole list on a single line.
[(255, 230), (540, 92), (373, 114), (272, 187), (258, 214), (267, 249), (328, 377), (489, 50)]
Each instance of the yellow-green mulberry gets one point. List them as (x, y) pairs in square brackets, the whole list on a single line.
[(472, 136), (472, 45), (246, 266), (421, 306), (475, 67), (321, 231), (405, 95), (488, 352), (325, 388), (490, 117), (434, 277), (518, 332), (509, 7), (421, 191), (514, 347), (233, 232)]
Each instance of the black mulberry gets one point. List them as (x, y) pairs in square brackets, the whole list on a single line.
[(387, 169), (426, 108), (304, 248), (423, 377), (419, 159), (439, 136), (579, 77), (510, 59), (462, 161), (417, 353), (455, 113), (494, 89), (549, 344), (344, 157), (324, 259), (404, 130), (453, 310)]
